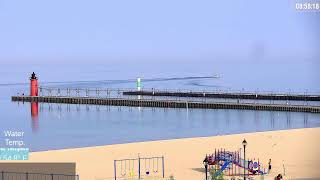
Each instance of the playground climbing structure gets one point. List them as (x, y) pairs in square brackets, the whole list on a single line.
[(231, 164)]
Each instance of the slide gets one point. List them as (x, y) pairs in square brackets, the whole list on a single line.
[(225, 165)]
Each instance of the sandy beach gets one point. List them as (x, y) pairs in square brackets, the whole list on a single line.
[(297, 150)]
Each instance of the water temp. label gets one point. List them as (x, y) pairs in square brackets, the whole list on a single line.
[(14, 153), (13, 146)]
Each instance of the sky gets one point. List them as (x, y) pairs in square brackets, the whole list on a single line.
[(59, 31)]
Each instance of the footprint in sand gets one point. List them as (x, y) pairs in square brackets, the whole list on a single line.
[(274, 144)]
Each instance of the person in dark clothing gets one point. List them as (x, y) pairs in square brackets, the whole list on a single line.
[(269, 167)]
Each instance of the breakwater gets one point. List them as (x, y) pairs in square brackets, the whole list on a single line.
[(167, 103)]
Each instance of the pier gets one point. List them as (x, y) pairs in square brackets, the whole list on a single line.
[(166, 103), (172, 99), (227, 95)]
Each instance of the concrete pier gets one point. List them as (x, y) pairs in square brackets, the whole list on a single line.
[(166, 103), (258, 96)]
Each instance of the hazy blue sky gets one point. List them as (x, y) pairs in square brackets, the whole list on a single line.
[(105, 30)]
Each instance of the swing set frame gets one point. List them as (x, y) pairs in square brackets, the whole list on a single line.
[(138, 160)]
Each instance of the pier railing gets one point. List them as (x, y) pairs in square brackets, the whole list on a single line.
[(94, 92), (170, 94)]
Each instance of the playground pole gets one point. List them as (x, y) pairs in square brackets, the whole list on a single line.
[(258, 166), (235, 160), (115, 169), (162, 166), (205, 163), (139, 166), (238, 161), (236, 157), (244, 143), (215, 158), (206, 167), (244, 163)]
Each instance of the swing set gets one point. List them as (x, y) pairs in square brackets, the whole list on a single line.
[(138, 167)]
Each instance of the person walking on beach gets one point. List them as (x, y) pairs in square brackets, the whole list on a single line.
[(269, 167)]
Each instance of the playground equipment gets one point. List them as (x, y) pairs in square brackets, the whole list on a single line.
[(232, 164), (139, 167)]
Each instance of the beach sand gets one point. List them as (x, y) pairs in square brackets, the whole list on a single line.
[(298, 149)]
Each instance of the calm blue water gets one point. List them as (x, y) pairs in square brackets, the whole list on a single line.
[(66, 126)]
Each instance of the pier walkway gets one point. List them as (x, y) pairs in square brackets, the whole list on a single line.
[(227, 95)]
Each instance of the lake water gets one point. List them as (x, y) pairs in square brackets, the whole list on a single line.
[(65, 126)]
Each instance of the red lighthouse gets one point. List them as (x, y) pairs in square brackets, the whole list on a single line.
[(33, 85)]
